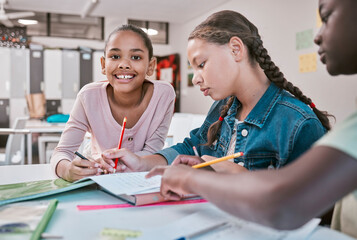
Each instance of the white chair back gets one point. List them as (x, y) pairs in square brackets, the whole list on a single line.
[(15, 145)]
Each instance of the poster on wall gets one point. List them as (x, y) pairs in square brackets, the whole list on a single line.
[(189, 74), (168, 69)]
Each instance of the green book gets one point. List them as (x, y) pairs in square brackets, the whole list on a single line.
[(17, 192), (27, 220)]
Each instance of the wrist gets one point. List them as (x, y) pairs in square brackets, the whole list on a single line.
[(150, 161), (189, 181), (63, 168)]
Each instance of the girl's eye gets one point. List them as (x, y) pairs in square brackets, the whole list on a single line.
[(136, 57), (115, 57), (324, 17), (202, 65)]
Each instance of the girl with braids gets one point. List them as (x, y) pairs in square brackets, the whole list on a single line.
[(257, 111), (290, 196)]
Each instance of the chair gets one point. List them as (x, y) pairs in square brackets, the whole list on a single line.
[(47, 144), (15, 145), (45, 151), (181, 126)]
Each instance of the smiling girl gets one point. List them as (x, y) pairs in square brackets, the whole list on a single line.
[(100, 107)]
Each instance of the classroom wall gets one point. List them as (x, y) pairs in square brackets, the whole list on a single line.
[(278, 22)]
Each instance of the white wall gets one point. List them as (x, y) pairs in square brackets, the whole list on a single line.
[(278, 22)]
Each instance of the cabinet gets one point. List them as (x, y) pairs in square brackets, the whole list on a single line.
[(97, 67), (52, 74), (19, 70), (36, 71), (70, 74), (5, 59), (85, 68)]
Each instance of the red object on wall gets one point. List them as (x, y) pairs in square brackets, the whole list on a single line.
[(171, 61)]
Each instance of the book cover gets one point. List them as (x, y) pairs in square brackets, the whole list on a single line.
[(142, 199), (17, 192)]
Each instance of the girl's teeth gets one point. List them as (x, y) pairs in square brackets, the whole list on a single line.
[(124, 76)]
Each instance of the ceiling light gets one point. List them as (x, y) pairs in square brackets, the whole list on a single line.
[(27, 21), (150, 32), (89, 7)]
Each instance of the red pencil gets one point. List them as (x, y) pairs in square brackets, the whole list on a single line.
[(121, 139)]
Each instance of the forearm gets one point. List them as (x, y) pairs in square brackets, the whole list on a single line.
[(243, 195), (151, 161), (286, 198)]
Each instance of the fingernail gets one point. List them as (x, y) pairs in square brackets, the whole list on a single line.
[(123, 167), (111, 169), (96, 165), (99, 170), (112, 164)]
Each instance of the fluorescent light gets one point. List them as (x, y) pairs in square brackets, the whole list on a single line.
[(150, 32), (27, 21), (88, 8)]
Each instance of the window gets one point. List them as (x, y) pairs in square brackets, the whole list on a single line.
[(157, 31), (64, 25), (73, 26)]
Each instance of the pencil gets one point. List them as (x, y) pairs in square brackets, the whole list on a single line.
[(238, 154), (80, 155), (120, 141), (195, 151), (204, 231)]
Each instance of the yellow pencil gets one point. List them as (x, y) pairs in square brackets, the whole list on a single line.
[(238, 154)]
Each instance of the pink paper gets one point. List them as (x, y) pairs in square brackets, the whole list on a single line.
[(126, 205)]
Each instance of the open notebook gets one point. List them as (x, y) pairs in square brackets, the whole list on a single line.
[(131, 187)]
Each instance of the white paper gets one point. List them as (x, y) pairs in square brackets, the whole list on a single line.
[(128, 183), (236, 229)]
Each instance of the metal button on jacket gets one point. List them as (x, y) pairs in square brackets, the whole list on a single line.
[(244, 132)]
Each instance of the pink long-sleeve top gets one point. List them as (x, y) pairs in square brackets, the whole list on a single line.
[(91, 113)]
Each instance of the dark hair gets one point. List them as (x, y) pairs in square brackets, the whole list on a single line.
[(219, 28), (134, 29)]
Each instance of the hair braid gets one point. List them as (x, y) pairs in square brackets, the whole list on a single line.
[(216, 126), (276, 76)]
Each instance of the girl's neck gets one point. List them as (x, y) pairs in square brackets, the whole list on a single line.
[(252, 87), (126, 100)]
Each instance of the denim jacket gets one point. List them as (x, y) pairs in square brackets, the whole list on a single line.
[(277, 130)]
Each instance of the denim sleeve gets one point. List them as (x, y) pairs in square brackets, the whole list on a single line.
[(181, 148), (196, 138), (306, 134)]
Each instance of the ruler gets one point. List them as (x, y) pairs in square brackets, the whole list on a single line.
[(126, 205)]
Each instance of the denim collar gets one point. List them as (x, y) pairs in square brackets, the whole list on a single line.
[(262, 109)]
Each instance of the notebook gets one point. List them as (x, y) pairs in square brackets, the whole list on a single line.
[(131, 187), (17, 192)]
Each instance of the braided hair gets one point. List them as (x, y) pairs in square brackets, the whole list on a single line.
[(219, 28)]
